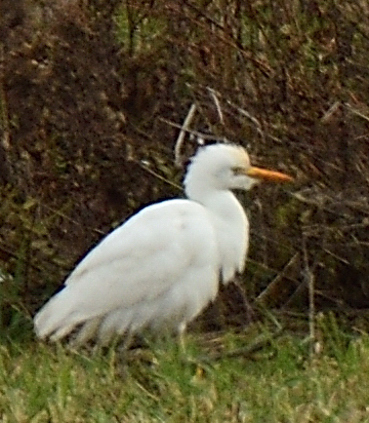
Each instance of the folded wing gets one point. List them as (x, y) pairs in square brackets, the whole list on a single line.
[(159, 268)]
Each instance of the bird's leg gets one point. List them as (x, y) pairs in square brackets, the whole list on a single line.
[(181, 337)]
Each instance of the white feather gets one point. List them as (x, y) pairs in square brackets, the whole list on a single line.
[(162, 266), (135, 267)]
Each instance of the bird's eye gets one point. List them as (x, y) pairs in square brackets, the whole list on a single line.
[(238, 170)]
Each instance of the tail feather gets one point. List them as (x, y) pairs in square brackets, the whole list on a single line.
[(87, 332), (117, 322), (62, 314), (57, 318)]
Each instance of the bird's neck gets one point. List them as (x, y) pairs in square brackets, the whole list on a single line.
[(231, 227), (221, 202)]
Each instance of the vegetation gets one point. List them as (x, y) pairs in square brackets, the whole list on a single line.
[(217, 379), (86, 93), (87, 89)]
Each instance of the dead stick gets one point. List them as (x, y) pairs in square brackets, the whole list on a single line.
[(178, 146)]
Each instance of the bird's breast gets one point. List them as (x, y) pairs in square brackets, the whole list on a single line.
[(232, 231)]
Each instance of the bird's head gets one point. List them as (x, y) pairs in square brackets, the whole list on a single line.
[(227, 167)]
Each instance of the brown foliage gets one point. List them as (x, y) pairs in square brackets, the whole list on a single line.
[(83, 88)]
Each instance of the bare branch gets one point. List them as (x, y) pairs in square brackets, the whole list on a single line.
[(356, 112), (310, 283), (192, 132), (252, 118), (157, 175), (216, 95), (260, 342), (217, 104), (5, 168), (278, 288), (178, 146), (330, 112)]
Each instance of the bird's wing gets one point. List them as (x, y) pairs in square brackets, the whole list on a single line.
[(137, 262)]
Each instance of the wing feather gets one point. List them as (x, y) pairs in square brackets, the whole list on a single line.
[(138, 262)]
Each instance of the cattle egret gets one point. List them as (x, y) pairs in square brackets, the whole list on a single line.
[(162, 267)]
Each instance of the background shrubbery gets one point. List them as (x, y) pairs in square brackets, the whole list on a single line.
[(85, 87)]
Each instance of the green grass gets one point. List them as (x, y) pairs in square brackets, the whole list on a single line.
[(280, 382)]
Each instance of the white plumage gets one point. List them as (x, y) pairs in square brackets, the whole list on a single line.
[(163, 266)]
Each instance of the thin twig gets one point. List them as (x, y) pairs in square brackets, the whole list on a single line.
[(160, 177), (252, 118), (221, 35), (6, 170), (356, 112), (248, 115), (4, 115), (197, 134), (310, 283), (240, 110), (178, 146), (186, 130), (258, 344), (330, 112), (217, 104), (277, 287)]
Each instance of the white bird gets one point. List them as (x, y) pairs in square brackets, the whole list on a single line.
[(162, 267)]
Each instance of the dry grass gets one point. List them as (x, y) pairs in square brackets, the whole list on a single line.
[(278, 383)]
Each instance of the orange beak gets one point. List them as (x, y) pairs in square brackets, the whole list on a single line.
[(268, 175)]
